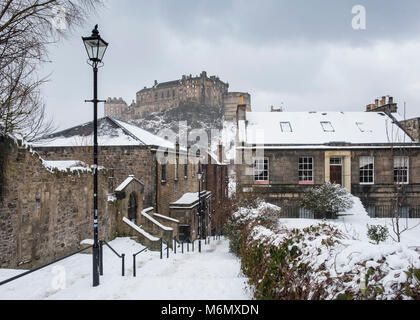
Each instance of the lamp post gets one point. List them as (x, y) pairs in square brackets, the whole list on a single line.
[(95, 48), (199, 176)]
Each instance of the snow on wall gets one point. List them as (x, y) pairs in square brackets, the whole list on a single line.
[(140, 230)]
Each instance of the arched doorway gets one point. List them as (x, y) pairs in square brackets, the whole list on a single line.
[(132, 207)]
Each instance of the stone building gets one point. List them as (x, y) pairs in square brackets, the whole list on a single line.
[(282, 154), (201, 89)]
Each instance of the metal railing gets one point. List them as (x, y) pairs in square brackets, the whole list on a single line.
[(388, 211), (43, 266), (134, 260), (161, 248), (121, 256)]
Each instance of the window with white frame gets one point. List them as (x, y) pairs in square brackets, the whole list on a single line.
[(401, 165), (261, 170), (306, 171), (367, 168)]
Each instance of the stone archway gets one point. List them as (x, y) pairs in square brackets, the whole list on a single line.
[(132, 207)]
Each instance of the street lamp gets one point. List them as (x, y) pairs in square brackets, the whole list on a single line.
[(95, 48), (199, 176)]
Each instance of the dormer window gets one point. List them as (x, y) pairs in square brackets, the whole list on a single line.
[(286, 127), (327, 126)]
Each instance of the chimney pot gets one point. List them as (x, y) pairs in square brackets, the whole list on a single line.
[(390, 100)]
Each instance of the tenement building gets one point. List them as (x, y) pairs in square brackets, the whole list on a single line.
[(281, 154), (201, 89)]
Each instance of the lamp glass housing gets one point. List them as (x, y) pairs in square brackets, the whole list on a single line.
[(95, 47)]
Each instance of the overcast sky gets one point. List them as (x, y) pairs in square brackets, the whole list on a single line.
[(302, 53)]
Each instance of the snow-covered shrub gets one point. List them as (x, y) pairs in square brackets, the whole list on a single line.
[(377, 233), (327, 200), (251, 211), (322, 262)]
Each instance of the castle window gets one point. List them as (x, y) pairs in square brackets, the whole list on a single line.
[(156, 96), (173, 93), (367, 170), (162, 95), (186, 171), (401, 170)]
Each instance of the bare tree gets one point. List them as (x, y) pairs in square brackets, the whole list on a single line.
[(400, 187), (27, 27)]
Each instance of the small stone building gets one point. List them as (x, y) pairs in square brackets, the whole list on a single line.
[(187, 211)]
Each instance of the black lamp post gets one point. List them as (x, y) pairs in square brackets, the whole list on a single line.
[(95, 48), (199, 176)]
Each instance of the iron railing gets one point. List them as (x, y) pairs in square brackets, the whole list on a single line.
[(121, 256), (43, 266), (134, 260)]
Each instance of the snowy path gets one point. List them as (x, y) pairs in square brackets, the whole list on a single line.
[(213, 274)]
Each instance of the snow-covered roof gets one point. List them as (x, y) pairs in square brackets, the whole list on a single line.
[(126, 182), (311, 128), (111, 132), (189, 198)]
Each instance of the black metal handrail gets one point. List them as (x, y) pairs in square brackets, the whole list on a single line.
[(134, 260), (161, 248), (188, 244), (121, 256), (43, 266)]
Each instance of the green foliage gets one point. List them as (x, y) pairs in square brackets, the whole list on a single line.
[(377, 233), (233, 233), (327, 200)]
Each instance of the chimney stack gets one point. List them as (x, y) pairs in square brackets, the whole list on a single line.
[(383, 101)]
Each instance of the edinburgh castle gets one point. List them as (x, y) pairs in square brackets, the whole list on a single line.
[(201, 90)]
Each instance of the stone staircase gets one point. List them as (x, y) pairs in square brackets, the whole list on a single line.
[(150, 227)]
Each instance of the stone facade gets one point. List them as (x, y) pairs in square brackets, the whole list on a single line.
[(412, 126), (284, 184), (45, 215), (230, 103), (162, 96), (201, 89)]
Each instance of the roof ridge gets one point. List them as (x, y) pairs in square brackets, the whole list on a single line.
[(126, 130)]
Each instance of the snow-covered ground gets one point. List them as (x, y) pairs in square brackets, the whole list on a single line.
[(213, 274), (354, 223)]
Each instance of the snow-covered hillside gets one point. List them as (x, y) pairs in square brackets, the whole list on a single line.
[(194, 116)]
